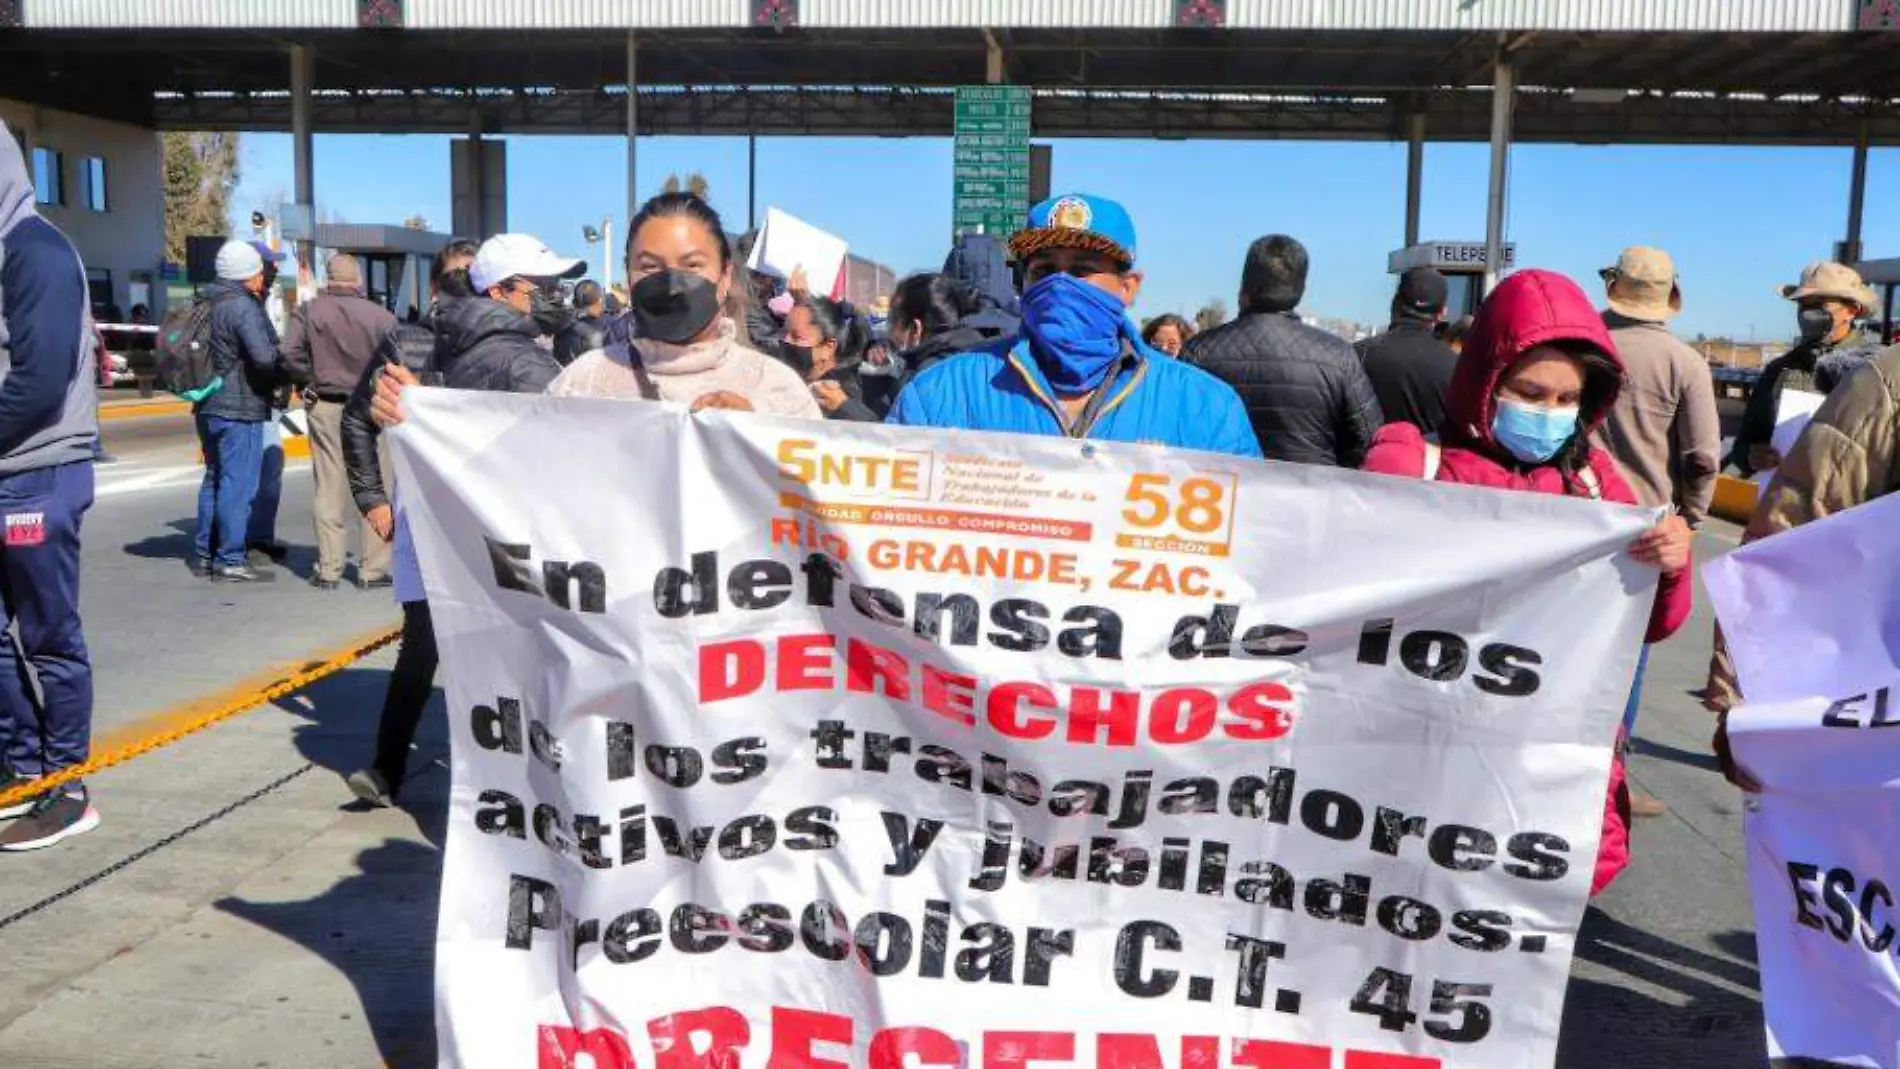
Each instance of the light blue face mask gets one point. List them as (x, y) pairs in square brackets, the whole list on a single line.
[(1531, 433)]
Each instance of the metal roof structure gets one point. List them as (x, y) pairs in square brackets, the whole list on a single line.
[(1625, 71)]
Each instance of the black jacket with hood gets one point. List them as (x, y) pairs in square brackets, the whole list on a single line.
[(1307, 396), (980, 263), (243, 350), (483, 344)]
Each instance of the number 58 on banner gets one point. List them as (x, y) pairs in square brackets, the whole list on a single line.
[(1191, 514)]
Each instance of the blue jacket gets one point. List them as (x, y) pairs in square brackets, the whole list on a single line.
[(48, 360), (244, 351), (1151, 398)]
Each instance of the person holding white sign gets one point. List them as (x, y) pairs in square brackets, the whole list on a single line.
[(1828, 299), (1518, 416), (1848, 455)]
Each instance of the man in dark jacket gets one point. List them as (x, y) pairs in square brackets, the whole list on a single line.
[(484, 334), (588, 331), (48, 425), (1408, 366), (231, 422), (1304, 390), (488, 341), (1828, 299), (979, 263), (329, 344)]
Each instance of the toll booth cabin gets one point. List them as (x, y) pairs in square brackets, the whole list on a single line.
[(1462, 264), (395, 261)]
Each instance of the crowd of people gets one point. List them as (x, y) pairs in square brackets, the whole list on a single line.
[(1544, 390)]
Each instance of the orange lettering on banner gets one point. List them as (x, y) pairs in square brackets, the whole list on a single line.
[(800, 461)]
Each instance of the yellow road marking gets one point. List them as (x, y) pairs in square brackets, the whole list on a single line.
[(160, 729), (141, 409)]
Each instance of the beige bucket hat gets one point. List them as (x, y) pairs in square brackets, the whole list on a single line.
[(1643, 285), (1834, 280)]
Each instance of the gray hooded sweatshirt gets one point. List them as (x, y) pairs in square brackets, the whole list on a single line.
[(48, 363)]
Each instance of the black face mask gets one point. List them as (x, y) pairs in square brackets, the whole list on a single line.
[(1816, 323), (550, 316), (797, 357), (674, 306)]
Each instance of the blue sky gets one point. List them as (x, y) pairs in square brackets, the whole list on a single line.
[(1739, 221)]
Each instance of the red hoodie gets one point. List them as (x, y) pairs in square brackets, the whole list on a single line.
[(1529, 309)]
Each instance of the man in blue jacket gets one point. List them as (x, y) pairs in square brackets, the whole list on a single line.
[(231, 422), (48, 426), (1078, 367)]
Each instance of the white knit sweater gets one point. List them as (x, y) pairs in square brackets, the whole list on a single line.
[(685, 373)]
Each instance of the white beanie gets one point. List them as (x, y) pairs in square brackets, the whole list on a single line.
[(238, 261)]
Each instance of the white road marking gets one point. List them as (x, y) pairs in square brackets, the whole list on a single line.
[(131, 477)]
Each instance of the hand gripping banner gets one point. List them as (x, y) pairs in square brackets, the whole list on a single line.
[(785, 743)]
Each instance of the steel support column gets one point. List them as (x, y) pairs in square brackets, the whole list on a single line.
[(1414, 174), (752, 181), (303, 166), (1850, 252), (1503, 101), (633, 131)]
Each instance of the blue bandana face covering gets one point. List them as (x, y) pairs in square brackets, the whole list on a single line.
[(1530, 433), (1076, 331)]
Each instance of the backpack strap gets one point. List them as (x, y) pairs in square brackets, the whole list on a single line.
[(627, 351), (1434, 456), (1593, 486)]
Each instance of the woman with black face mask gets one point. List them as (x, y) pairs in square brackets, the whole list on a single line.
[(685, 348), (825, 342)]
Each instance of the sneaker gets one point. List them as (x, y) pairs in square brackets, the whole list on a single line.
[(9, 780), (235, 573), (321, 583), (275, 551), (1642, 805), (200, 567), (381, 582), (56, 815), (257, 558), (370, 786)]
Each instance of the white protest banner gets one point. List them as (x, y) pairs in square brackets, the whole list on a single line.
[(1810, 616), (786, 743)]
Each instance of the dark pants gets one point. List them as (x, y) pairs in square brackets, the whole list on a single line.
[(39, 595), (262, 528), (232, 458), (409, 688)]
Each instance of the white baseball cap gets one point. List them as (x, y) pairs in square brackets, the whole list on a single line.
[(238, 261), (507, 256)]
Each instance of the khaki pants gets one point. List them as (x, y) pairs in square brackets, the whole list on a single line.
[(334, 508), (1722, 689)]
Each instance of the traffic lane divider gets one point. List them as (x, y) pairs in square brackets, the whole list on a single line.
[(1734, 499), (113, 411), (160, 729)]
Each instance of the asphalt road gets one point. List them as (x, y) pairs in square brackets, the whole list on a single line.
[(238, 909)]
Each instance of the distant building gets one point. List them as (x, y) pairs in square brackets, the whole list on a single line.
[(102, 183)]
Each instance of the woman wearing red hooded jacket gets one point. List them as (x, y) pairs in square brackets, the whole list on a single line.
[(1538, 373)]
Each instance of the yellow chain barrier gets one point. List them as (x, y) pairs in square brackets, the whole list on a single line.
[(290, 684)]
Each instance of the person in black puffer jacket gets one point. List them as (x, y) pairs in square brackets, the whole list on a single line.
[(825, 342), (930, 319), (1304, 389), (588, 331)]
